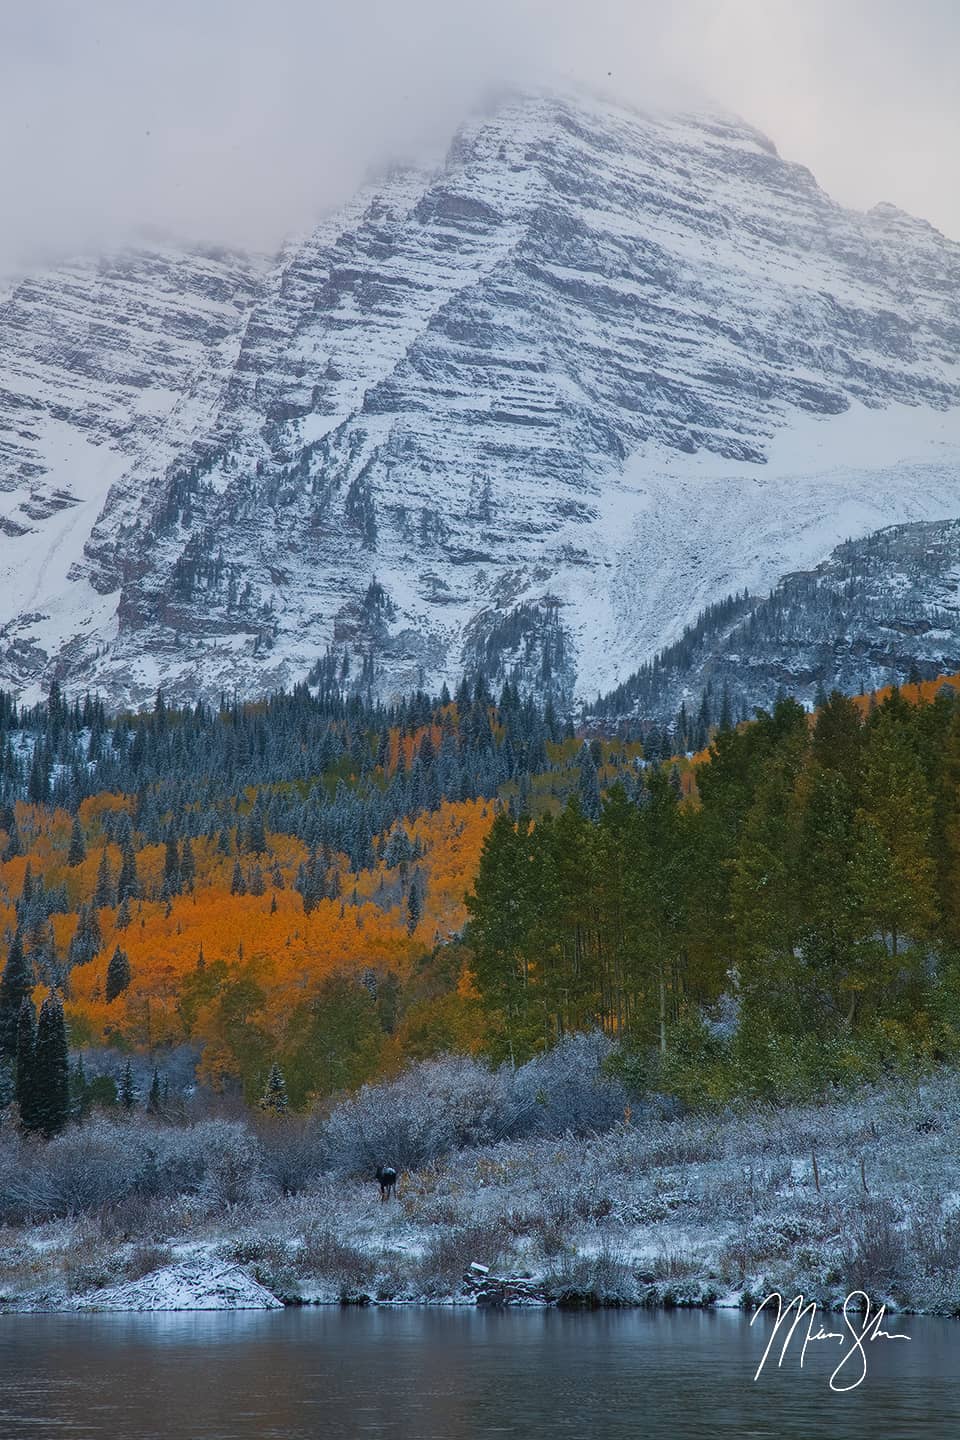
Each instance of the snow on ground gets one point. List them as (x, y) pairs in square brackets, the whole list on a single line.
[(189, 1286), (681, 532), (701, 1209)]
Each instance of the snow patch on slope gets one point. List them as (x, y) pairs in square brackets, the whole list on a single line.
[(193, 1285)]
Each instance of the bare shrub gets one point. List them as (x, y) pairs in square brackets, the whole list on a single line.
[(292, 1152), (439, 1106), (593, 1280), (82, 1169), (232, 1158), (677, 1264), (935, 1240), (272, 1261), (453, 1251), (876, 1258), (326, 1256), (89, 1264), (431, 1109), (566, 1090), (145, 1258)]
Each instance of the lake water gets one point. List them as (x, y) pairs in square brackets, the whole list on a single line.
[(457, 1374)]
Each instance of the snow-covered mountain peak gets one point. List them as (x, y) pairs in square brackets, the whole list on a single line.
[(506, 389)]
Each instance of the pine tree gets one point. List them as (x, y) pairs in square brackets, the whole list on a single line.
[(128, 1091), (414, 905), (118, 975), (188, 866), (155, 1097), (104, 893), (15, 986), (171, 865), (26, 1086), (238, 886), (895, 871), (256, 838), (588, 788), (78, 850), (79, 1092), (128, 884), (51, 1068), (274, 1097)]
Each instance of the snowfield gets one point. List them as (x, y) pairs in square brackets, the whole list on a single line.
[(596, 371)]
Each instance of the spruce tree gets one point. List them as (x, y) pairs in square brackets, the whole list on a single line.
[(104, 894), (155, 1097), (51, 1068), (256, 839), (128, 1091), (14, 845), (128, 884), (414, 905), (118, 975), (588, 788), (78, 850), (15, 986), (79, 1091), (171, 865), (188, 865), (274, 1097), (26, 1086)]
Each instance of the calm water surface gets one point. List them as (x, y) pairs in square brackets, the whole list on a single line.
[(452, 1374)]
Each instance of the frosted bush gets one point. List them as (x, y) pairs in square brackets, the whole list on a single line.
[(429, 1110), (566, 1089), (81, 1170)]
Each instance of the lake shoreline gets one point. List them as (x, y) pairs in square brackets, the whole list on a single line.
[(211, 1286), (657, 1211)]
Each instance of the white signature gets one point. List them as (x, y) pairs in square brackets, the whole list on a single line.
[(862, 1322)]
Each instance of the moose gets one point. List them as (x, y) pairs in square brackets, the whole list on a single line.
[(387, 1177)]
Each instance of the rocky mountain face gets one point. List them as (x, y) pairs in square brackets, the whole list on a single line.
[(884, 610), (532, 411)]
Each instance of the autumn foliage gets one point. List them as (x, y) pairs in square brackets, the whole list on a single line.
[(240, 974)]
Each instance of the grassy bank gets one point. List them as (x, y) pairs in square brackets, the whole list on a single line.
[(651, 1208)]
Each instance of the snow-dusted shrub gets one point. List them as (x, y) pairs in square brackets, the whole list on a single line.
[(81, 1170), (89, 1264), (232, 1156), (292, 1152), (452, 1251), (876, 1258), (430, 1109), (935, 1239), (438, 1106), (347, 1269), (567, 1089), (591, 1280), (146, 1257)]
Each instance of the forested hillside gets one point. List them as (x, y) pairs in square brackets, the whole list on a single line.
[(276, 882), (335, 888), (791, 921)]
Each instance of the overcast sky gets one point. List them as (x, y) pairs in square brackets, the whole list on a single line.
[(238, 121)]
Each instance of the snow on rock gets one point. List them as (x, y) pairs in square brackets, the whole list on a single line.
[(600, 369), (188, 1286)]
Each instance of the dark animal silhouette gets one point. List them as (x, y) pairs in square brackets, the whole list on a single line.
[(388, 1181)]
